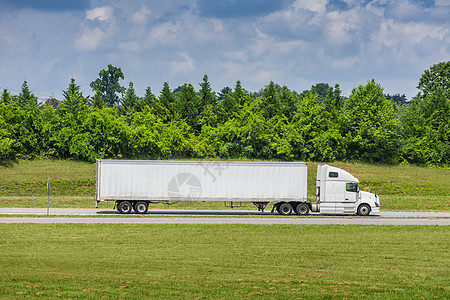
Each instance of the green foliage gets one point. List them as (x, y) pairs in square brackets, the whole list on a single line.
[(97, 101), (319, 136), (188, 105), (274, 123), (6, 97), (166, 100), (74, 102), (426, 129), (129, 103), (370, 125), (435, 78), (426, 121), (5, 141), (270, 102), (26, 99), (149, 98), (108, 84)]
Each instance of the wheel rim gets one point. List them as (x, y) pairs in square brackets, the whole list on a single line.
[(141, 208), (125, 207), (303, 210), (285, 209), (364, 210)]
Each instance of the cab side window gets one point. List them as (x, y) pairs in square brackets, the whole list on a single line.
[(351, 187)]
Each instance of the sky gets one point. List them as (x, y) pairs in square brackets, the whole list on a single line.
[(296, 43)]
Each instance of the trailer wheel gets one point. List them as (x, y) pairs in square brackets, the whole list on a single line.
[(277, 208), (285, 209), (124, 207), (302, 209), (363, 210), (141, 207)]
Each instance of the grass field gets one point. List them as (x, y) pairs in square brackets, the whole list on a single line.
[(224, 261), (401, 187)]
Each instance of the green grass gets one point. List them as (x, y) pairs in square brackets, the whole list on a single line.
[(90, 261), (401, 187)]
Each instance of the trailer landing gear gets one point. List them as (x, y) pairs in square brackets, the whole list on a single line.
[(261, 205)]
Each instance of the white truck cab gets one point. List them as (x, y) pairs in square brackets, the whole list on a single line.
[(337, 192)]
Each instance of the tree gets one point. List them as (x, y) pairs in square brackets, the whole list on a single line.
[(73, 88), (108, 84), (397, 98), (426, 129), (73, 102), (318, 137), (370, 125), (270, 102), (167, 98), (129, 103), (426, 121), (288, 102), (223, 92), (6, 97), (6, 152), (149, 98), (187, 105), (207, 105), (26, 99), (438, 76), (207, 96), (97, 101), (334, 101), (321, 90)]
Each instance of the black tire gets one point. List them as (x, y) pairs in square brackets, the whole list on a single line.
[(124, 207), (277, 208), (363, 210), (302, 209), (141, 207), (285, 209)]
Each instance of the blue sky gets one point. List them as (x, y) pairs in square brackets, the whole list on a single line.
[(296, 43)]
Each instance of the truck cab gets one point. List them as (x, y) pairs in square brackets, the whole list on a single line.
[(337, 192)]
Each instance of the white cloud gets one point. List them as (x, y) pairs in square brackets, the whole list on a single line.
[(141, 16), (395, 35), (104, 13), (156, 41), (217, 25), (132, 46), (317, 6), (262, 77), (183, 66), (90, 39), (165, 34), (6, 37), (93, 34)]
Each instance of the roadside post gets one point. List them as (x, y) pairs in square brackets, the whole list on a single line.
[(48, 194)]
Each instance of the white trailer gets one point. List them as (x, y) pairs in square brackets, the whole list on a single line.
[(134, 184)]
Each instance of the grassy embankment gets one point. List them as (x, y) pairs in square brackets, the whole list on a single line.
[(401, 187), (224, 261)]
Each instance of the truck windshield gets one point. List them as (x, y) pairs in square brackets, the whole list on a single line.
[(351, 187)]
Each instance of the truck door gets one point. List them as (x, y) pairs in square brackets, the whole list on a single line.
[(351, 196)]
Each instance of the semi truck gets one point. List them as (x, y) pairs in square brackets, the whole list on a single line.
[(134, 184)]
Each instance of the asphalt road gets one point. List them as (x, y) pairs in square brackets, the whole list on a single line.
[(176, 216)]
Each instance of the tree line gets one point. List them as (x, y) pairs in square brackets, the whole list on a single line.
[(273, 123)]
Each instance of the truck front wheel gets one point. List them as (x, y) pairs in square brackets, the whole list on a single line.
[(302, 209), (124, 207), (363, 210), (141, 207), (285, 209)]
